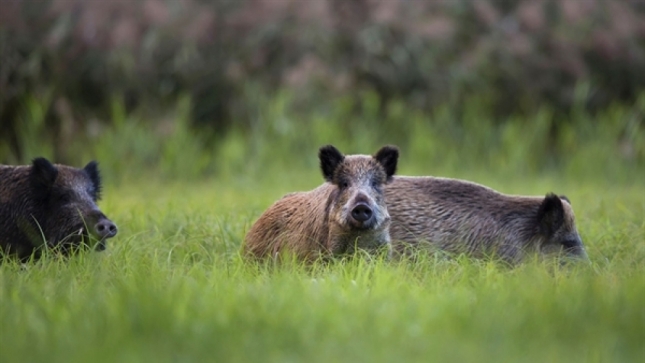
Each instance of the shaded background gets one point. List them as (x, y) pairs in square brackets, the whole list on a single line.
[(188, 87)]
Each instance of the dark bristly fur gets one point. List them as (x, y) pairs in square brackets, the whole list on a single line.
[(463, 217), (345, 213), (43, 204)]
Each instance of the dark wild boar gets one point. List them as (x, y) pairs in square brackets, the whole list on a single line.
[(463, 217), (52, 206), (346, 213)]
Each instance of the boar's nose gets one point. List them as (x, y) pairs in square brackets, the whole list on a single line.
[(105, 228), (361, 212)]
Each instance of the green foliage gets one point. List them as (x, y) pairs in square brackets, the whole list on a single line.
[(606, 146), (132, 145), (447, 140), (34, 128), (514, 58), (171, 287)]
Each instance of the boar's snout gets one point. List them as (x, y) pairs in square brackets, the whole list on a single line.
[(362, 212), (105, 228), (577, 252)]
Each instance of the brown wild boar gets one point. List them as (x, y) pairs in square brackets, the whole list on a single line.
[(463, 217), (54, 206), (346, 213)]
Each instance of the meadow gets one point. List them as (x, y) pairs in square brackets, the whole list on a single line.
[(172, 286)]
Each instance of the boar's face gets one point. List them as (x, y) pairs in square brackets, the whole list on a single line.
[(558, 228), (66, 198), (357, 209)]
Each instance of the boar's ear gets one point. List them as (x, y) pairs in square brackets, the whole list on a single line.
[(329, 157), (43, 174), (551, 214), (388, 156), (92, 170), (564, 197)]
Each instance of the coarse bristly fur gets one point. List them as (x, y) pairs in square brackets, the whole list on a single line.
[(458, 216), (346, 213), (45, 205)]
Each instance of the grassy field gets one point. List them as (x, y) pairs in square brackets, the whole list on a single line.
[(172, 288)]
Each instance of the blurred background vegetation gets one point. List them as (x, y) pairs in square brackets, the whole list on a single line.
[(190, 88)]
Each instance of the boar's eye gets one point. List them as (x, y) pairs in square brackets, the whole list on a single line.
[(63, 198), (344, 184)]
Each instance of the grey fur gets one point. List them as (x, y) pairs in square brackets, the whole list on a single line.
[(458, 216)]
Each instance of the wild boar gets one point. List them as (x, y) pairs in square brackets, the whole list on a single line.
[(346, 213), (464, 217), (43, 205)]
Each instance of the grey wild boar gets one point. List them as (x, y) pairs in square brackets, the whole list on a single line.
[(43, 205), (464, 217), (346, 213)]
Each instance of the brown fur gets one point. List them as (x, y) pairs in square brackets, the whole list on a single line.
[(320, 222), (463, 217)]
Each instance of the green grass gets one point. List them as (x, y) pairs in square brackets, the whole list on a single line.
[(171, 287)]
